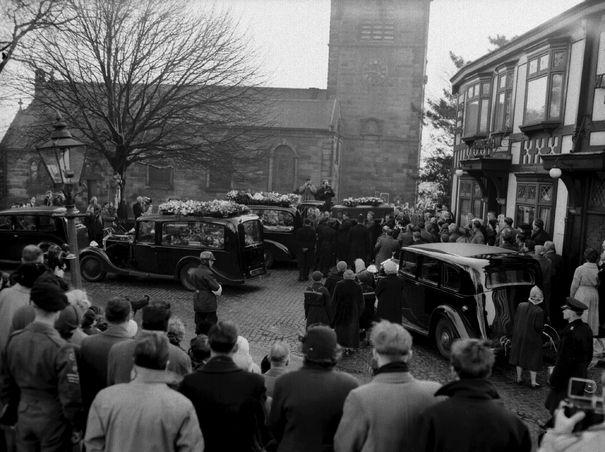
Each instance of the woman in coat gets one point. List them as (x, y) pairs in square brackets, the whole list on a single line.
[(317, 302), (389, 292), (366, 282), (347, 306), (584, 288), (526, 348)]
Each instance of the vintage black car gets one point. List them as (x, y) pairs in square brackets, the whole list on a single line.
[(42, 226), (279, 226), (458, 290), (167, 246)]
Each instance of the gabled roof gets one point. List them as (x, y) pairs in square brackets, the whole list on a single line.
[(533, 36), (304, 114)]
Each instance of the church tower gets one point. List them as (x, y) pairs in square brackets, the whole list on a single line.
[(376, 70)]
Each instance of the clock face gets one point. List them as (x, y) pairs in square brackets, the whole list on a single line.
[(374, 73)]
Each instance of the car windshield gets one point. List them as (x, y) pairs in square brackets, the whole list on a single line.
[(509, 276), (252, 233)]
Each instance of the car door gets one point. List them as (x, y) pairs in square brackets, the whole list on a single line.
[(144, 253), (413, 305), (429, 296)]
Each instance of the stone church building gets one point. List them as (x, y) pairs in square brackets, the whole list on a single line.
[(362, 133)]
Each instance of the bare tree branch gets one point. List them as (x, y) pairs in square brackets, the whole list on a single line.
[(145, 80)]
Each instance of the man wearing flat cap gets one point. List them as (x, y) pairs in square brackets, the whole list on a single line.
[(574, 355), (207, 289), (307, 403), (39, 379)]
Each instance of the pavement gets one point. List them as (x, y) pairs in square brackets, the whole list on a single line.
[(270, 308)]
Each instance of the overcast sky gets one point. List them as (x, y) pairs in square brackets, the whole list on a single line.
[(291, 36)]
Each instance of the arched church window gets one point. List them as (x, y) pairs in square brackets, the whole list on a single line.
[(283, 169)]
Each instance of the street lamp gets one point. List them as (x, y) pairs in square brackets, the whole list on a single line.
[(63, 157)]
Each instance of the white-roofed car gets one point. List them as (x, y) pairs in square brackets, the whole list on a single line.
[(459, 290)]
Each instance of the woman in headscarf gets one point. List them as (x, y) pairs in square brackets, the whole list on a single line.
[(389, 292), (526, 347)]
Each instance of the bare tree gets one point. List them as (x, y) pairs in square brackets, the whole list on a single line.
[(19, 18), (147, 80)]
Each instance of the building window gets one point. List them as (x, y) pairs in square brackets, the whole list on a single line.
[(476, 114), (502, 107), (535, 199), (471, 201), (160, 177), (545, 78), (377, 31)]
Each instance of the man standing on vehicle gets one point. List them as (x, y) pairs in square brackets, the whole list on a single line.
[(206, 290)]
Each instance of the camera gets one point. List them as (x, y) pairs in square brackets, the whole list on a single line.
[(582, 396)]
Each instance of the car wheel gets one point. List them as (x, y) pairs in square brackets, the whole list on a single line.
[(184, 278), (269, 259), (92, 268), (445, 335)]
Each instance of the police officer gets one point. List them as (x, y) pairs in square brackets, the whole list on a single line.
[(40, 379), (574, 355), (206, 290)]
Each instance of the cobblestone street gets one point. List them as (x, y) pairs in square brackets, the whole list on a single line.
[(271, 308)]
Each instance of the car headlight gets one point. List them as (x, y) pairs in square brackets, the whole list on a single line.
[(94, 243)]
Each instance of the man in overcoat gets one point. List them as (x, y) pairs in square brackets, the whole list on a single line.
[(326, 245), (317, 302), (229, 401), (307, 403), (359, 239), (305, 249), (382, 415), (206, 290), (347, 307)]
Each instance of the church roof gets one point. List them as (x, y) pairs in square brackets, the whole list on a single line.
[(320, 114)]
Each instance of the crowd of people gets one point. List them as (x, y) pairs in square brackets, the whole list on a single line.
[(73, 373)]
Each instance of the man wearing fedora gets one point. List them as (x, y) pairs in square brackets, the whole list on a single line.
[(574, 355), (307, 403), (206, 290)]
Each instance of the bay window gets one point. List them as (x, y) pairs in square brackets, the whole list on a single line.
[(502, 102), (476, 113), (545, 81)]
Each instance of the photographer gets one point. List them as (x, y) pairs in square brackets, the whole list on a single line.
[(307, 190), (561, 437)]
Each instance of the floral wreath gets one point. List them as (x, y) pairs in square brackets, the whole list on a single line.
[(263, 198), (216, 208), (363, 201)]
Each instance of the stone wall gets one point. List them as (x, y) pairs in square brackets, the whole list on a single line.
[(313, 152)]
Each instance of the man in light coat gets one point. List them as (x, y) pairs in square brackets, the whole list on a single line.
[(382, 415), (15, 297), (144, 414)]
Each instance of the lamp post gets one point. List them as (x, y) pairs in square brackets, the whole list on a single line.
[(63, 157)]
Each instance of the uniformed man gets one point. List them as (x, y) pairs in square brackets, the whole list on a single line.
[(40, 381), (574, 355), (206, 290)]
